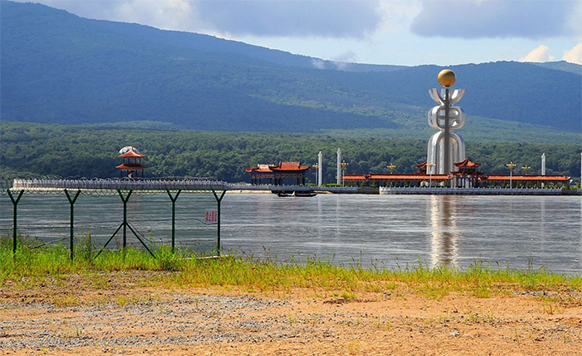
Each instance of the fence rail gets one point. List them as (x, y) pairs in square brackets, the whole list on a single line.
[(112, 184)]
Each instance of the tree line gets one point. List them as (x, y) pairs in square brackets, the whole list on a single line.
[(34, 150)]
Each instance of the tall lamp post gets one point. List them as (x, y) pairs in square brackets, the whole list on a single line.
[(391, 168), (316, 166), (344, 165), (430, 166), (511, 166), (525, 169)]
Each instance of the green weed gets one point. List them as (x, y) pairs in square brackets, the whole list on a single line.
[(34, 261)]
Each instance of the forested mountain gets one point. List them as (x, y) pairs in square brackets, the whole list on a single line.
[(60, 68)]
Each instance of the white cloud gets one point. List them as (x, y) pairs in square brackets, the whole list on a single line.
[(496, 18), (574, 55), (540, 54), (291, 18), (169, 14), (318, 63), (344, 60), (283, 18)]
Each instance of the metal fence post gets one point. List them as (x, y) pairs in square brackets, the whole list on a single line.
[(218, 200), (15, 221), (124, 200), (72, 203), (125, 225), (173, 199)]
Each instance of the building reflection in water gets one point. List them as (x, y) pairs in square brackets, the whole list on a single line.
[(445, 232)]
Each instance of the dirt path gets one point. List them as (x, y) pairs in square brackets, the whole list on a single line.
[(56, 320)]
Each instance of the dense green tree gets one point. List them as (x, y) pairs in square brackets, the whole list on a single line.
[(84, 151)]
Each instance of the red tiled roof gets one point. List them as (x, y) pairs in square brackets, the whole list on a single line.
[(131, 166), (290, 166), (260, 168), (132, 154), (421, 165), (412, 176), (281, 167), (467, 163), (355, 176)]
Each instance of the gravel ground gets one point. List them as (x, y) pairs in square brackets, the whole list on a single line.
[(178, 319), (127, 319)]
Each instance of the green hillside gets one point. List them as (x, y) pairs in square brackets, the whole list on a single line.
[(60, 68)]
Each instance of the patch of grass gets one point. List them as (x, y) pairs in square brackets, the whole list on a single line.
[(124, 300), (348, 296), (382, 323), (550, 306), (66, 301), (353, 348), (434, 291), (34, 262), (482, 292)]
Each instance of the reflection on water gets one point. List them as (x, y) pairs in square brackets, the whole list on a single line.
[(443, 216), (387, 231), (397, 231)]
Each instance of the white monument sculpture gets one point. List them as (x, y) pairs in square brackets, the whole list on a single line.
[(445, 147)]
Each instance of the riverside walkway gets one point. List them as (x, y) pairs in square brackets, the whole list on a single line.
[(117, 184), (158, 185)]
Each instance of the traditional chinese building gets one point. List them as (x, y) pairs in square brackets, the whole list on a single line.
[(395, 179), (527, 181), (466, 175), (131, 166), (290, 172)]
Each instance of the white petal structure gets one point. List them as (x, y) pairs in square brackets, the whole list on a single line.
[(445, 117)]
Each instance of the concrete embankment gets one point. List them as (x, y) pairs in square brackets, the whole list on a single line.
[(477, 191)]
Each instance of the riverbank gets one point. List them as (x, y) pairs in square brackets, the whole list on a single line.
[(243, 306)]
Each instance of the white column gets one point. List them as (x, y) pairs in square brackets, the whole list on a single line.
[(544, 164), (339, 166), (319, 169)]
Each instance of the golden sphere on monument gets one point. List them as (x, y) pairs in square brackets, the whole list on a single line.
[(446, 78)]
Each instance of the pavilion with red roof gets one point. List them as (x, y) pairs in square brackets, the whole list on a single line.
[(466, 175), (276, 174), (131, 166)]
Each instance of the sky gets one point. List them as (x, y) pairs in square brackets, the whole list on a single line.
[(398, 32)]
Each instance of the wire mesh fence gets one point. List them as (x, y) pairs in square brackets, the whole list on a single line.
[(45, 215)]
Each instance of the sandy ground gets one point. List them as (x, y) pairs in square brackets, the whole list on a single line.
[(66, 318)]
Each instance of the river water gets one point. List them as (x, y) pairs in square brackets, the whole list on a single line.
[(387, 231)]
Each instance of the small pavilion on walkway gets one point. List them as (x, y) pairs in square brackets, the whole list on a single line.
[(131, 166)]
